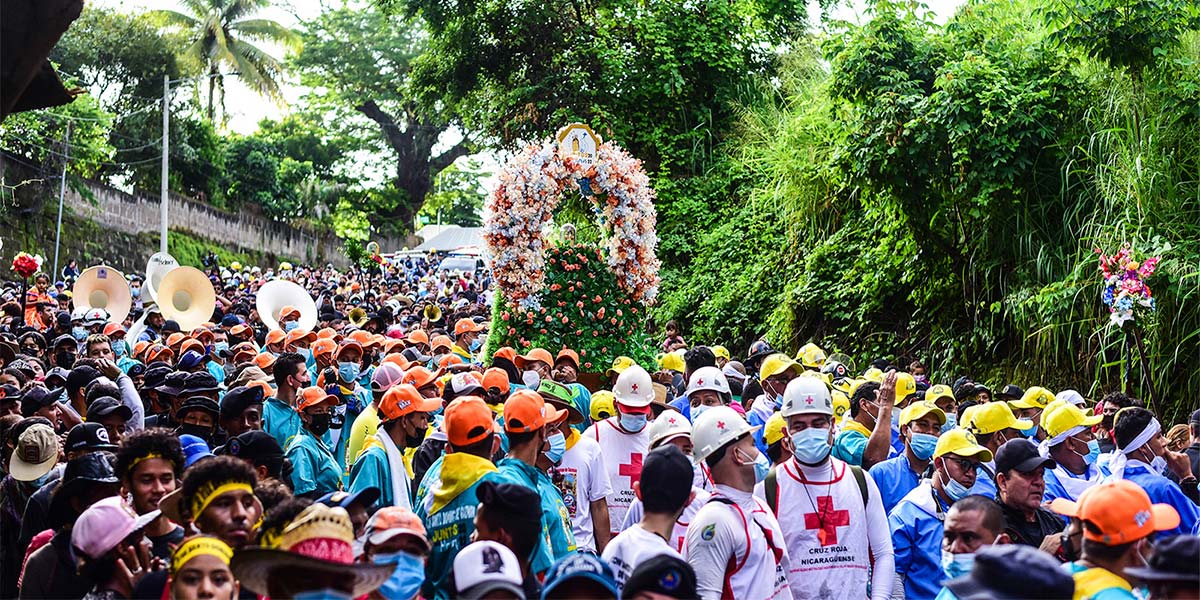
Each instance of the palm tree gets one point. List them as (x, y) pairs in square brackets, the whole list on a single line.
[(222, 32)]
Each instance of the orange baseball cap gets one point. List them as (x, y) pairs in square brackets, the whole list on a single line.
[(391, 521), (114, 330), (468, 420), (507, 353), (526, 411), (449, 359), (442, 341), (316, 396), (323, 346), (264, 361), (363, 337), (347, 345), (570, 354), (298, 335), (239, 330), (1117, 512), (495, 377), (467, 326), (275, 336), (403, 399), (190, 344), (392, 346), (159, 352), (327, 333), (418, 337), (175, 339), (398, 360), (419, 377), (202, 333), (139, 348), (288, 311), (268, 391), (243, 355), (537, 354)]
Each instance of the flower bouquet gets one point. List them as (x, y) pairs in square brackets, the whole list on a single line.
[(1125, 291)]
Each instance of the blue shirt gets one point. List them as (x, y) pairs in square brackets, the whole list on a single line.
[(849, 444), (558, 539), (916, 524), (372, 470), (313, 466), (895, 479), (1163, 491)]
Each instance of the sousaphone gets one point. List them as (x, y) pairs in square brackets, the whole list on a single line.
[(433, 313), (157, 267), (278, 293), (103, 287), (357, 317), (186, 296)]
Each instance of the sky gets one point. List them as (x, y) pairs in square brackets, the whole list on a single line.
[(246, 108)]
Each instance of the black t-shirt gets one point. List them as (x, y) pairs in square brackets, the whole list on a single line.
[(162, 545), (1193, 453)]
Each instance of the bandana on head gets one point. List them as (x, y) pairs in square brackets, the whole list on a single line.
[(200, 546), (209, 492)]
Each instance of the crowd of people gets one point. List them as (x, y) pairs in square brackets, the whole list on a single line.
[(388, 452)]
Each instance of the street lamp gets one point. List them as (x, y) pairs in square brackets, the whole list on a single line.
[(166, 125)]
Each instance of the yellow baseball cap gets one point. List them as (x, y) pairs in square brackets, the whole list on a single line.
[(873, 374), (1059, 416), (938, 391), (721, 352), (774, 429), (1034, 397), (906, 386), (841, 403), (620, 363), (778, 363), (671, 361), (917, 410), (961, 442), (603, 405), (983, 419)]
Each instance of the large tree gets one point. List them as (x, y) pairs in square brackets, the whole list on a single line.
[(223, 34), (360, 61)]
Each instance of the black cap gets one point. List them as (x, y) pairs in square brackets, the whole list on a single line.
[(56, 377), (81, 376), (64, 339), (667, 474), (1022, 455), (155, 374), (1174, 559), (662, 575), (63, 318), (37, 398), (512, 501), (364, 497), (200, 382), (172, 384), (170, 326), (137, 369), (80, 473), (1011, 391), (238, 399), (107, 405), (1195, 418), (10, 393), (414, 355), (89, 436), (255, 446), (203, 403), (1013, 572)]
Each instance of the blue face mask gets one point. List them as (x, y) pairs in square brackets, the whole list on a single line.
[(136, 292), (1031, 432), (951, 422), (1093, 453), (348, 371), (325, 594), (633, 423), (406, 580), (957, 565), (120, 350), (290, 325), (811, 446), (475, 344), (955, 490), (558, 446), (922, 445), (79, 333), (697, 411), (762, 467), (219, 347)]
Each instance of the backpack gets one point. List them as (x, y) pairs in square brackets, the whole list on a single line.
[(771, 486)]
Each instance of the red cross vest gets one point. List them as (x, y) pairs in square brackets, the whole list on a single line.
[(824, 525), (623, 453)]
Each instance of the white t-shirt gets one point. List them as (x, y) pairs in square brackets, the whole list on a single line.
[(636, 510), (623, 453), (584, 480), (737, 550), (631, 548)]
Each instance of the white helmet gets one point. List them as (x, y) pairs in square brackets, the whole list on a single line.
[(716, 427), (78, 314), (708, 378), (634, 387), (95, 316), (806, 395), (670, 424)]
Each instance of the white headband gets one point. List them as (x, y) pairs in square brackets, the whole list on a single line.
[(1046, 445), (1121, 457)]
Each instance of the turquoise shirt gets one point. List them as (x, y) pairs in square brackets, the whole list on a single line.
[(372, 470), (280, 420), (313, 466), (449, 529), (558, 539), (582, 399), (849, 445)]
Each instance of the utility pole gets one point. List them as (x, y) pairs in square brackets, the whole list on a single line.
[(62, 192), (162, 233)]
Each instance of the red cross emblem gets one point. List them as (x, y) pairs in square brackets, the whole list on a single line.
[(699, 382), (632, 470), (633, 387), (670, 420), (720, 424), (826, 521), (809, 400)]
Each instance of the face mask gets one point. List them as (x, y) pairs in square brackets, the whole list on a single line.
[(1092, 455), (896, 418), (219, 347), (1158, 465), (406, 580), (1031, 432), (135, 292), (79, 333), (199, 431), (37, 484), (633, 423), (531, 379), (951, 422), (558, 446), (475, 344), (955, 490), (762, 467), (325, 594), (348, 371), (120, 350), (957, 565), (319, 424), (305, 352), (811, 446), (414, 440), (290, 325), (697, 411), (922, 445)]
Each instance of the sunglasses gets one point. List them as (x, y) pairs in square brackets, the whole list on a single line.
[(965, 464)]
